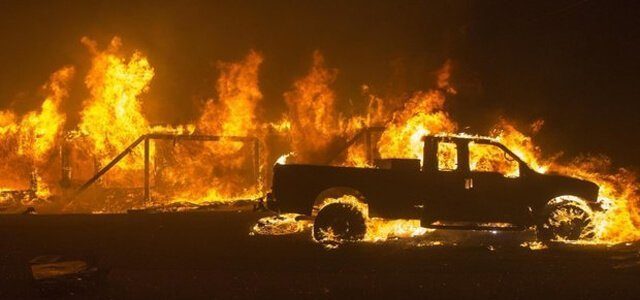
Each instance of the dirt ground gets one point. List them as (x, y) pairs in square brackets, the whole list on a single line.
[(212, 255)]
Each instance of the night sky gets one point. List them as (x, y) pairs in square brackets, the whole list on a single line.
[(572, 63)]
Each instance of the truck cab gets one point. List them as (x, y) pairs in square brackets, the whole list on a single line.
[(476, 180)]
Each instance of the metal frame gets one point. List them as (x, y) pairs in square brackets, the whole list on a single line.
[(175, 137), (367, 133)]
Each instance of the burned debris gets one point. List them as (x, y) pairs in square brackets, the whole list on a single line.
[(57, 275)]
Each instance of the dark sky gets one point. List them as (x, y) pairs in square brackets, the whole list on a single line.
[(572, 63)]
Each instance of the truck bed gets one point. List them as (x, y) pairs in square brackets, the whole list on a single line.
[(390, 193)]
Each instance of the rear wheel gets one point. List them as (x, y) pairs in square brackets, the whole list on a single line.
[(566, 221), (339, 222)]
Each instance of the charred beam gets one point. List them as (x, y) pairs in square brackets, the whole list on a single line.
[(109, 165), (146, 170)]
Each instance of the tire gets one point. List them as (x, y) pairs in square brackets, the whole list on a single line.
[(567, 221), (339, 222)]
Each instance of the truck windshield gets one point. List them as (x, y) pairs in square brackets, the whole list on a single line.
[(491, 158)]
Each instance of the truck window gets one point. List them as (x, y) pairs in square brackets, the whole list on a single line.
[(491, 158), (447, 156)]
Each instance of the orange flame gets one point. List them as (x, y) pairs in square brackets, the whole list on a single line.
[(112, 117), (311, 111), (233, 113), (618, 188), (422, 115), (380, 229), (27, 146)]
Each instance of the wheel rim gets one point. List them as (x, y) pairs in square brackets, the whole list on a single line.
[(339, 222), (569, 222)]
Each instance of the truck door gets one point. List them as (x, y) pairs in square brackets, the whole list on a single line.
[(494, 190), (445, 195)]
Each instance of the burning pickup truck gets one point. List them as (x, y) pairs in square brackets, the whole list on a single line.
[(462, 182)]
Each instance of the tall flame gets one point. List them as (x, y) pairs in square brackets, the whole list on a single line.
[(311, 103), (39, 131), (27, 144), (423, 114), (217, 170), (112, 117), (234, 112)]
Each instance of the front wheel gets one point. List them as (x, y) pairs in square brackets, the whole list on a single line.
[(566, 221), (339, 222)]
